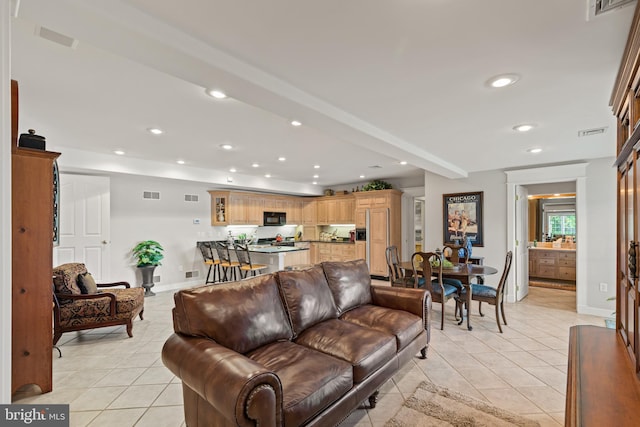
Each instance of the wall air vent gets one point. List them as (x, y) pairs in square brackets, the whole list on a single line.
[(598, 7), (156, 278), (190, 197), (56, 37), (191, 274), (153, 195), (591, 132)]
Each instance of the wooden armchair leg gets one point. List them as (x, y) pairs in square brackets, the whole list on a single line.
[(56, 337), (130, 328), (141, 311)]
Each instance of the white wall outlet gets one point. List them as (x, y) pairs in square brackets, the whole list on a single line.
[(603, 287), (196, 221)]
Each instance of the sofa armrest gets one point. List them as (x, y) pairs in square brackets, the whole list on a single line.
[(243, 391), (416, 301)]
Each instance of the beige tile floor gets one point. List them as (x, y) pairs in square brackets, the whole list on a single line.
[(112, 380)]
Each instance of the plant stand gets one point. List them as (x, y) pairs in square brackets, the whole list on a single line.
[(147, 279)]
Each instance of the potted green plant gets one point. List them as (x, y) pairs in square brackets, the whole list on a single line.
[(376, 184), (148, 254)]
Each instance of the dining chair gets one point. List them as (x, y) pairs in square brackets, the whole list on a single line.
[(440, 290), (398, 276), (206, 249), (488, 294), (246, 266), (225, 262)]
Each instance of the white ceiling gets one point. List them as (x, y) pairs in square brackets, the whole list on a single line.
[(373, 83)]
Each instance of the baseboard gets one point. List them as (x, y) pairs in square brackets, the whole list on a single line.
[(602, 312), (176, 286)]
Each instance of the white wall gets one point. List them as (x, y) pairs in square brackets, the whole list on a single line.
[(5, 203), (601, 231), (494, 213), (170, 221)]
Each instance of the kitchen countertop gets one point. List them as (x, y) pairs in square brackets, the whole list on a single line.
[(553, 249), (268, 249)]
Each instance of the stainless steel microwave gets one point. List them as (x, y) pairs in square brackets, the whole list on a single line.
[(274, 218)]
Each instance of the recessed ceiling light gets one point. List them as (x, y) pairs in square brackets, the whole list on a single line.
[(295, 123), (316, 166), (534, 150), (226, 146), (403, 162), (268, 175), (316, 176), (282, 159), (315, 182), (155, 131), (255, 165), (232, 170), (524, 127), (361, 176), (216, 93), (180, 162), (119, 152), (503, 80)]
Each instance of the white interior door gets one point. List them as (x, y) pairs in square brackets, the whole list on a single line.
[(85, 223), (522, 237)]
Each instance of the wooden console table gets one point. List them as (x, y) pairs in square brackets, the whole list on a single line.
[(602, 386)]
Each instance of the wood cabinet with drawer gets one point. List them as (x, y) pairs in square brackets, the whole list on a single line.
[(552, 264)]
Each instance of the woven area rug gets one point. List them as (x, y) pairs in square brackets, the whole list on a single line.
[(431, 405)]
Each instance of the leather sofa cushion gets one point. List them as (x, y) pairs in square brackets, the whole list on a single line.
[(241, 315), (364, 348), (311, 380), (403, 325), (350, 283), (307, 297)]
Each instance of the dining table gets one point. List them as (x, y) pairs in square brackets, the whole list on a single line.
[(464, 272)]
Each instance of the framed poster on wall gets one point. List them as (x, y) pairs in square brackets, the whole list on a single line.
[(462, 215)]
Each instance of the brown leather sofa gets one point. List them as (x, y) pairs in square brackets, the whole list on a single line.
[(292, 348)]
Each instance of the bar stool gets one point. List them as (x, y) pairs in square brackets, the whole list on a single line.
[(225, 261), (246, 266), (206, 248)]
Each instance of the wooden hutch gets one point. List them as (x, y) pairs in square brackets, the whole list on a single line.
[(32, 228), (603, 385)]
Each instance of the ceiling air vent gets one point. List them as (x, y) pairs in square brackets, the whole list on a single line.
[(375, 167), (598, 7), (591, 132), (56, 37)]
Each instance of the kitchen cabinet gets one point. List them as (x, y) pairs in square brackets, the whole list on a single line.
[(254, 206), (237, 209), (332, 251), (335, 210), (309, 214), (219, 207), (383, 208), (558, 264), (294, 211)]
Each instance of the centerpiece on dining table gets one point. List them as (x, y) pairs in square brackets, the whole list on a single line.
[(446, 264)]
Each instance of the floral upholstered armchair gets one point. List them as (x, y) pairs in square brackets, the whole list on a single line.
[(79, 303)]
